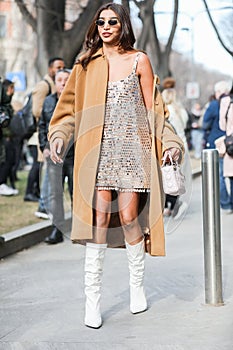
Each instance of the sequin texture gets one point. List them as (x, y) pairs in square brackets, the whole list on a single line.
[(125, 157)]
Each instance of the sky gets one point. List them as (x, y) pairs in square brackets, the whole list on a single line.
[(206, 46), (207, 49)]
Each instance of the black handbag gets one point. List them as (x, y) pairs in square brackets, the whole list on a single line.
[(229, 144)]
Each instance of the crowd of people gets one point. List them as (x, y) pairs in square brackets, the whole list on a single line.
[(45, 183), (204, 127)]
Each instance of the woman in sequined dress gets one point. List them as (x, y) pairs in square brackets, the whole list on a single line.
[(106, 104)]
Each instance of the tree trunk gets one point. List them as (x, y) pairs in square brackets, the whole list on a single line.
[(149, 40), (50, 27), (52, 38)]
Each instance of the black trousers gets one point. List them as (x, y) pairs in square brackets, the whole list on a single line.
[(33, 182), (170, 199), (6, 168)]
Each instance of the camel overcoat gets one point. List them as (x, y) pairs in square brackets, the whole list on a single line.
[(80, 114)]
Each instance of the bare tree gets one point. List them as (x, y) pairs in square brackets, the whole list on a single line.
[(48, 21), (216, 29), (53, 39), (226, 24), (160, 54)]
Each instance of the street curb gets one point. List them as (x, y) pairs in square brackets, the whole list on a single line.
[(196, 172), (28, 236)]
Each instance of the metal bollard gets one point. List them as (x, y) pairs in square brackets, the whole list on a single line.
[(211, 227)]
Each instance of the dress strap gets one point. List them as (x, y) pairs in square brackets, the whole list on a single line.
[(136, 62)]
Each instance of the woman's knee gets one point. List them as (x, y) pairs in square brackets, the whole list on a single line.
[(128, 221), (102, 219)]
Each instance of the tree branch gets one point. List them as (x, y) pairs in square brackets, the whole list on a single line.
[(27, 15), (215, 29), (173, 28)]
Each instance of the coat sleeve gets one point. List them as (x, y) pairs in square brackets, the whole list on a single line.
[(170, 139), (62, 123)]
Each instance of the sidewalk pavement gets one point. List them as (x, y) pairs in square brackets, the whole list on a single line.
[(42, 299)]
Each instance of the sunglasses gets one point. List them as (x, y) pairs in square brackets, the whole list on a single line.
[(111, 22)]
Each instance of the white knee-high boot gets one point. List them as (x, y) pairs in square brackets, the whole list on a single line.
[(136, 259), (93, 273)]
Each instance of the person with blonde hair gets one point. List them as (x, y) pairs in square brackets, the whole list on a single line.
[(178, 117)]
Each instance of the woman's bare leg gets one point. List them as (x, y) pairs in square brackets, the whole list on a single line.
[(102, 215), (94, 259), (128, 211)]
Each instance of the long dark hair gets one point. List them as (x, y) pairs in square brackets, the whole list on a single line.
[(93, 41)]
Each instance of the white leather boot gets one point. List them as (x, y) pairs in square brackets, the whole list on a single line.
[(93, 272), (136, 259)]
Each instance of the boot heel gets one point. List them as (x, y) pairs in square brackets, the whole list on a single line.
[(138, 301)]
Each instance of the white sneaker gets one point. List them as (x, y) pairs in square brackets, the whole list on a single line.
[(167, 212), (6, 190), (15, 191), (42, 214), (227, 211)]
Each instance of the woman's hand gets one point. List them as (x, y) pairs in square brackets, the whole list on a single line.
[(174, 152), (46, 153), (55, 150)]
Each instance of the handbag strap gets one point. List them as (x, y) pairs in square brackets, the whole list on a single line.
[(168, 159), (231, 101)]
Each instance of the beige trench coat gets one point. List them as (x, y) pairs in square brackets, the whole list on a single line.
[(80, 113)]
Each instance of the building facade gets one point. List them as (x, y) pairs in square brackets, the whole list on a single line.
[(17, 49)]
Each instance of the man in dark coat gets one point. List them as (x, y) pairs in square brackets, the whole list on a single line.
[(56, 173)]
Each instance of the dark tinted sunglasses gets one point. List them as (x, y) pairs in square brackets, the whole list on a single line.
[(111, 22)]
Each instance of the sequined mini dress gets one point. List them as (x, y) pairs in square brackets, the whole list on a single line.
[(125, 156)]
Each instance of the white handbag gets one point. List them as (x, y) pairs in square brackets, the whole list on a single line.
[(172, 177)]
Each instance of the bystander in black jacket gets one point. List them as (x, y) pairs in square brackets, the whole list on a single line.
[(46, 115), (7, 150), (57, 173)]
